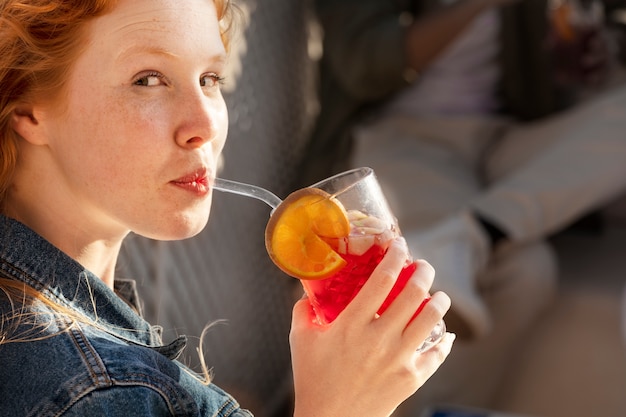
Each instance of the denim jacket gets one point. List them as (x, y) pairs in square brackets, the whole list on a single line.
[(109, 362)]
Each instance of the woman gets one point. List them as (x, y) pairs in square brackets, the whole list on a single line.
[(112, 121)]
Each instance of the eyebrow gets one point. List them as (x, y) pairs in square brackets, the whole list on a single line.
[(147, 50), (220, 57)]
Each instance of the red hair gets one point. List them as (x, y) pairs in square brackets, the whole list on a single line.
[(39, 42)]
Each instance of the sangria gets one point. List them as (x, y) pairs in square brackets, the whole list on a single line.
[(331, 236)]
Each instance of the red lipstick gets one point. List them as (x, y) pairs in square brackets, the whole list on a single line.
[(196, 182)]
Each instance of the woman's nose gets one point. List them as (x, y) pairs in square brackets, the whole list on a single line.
[(203, 119)]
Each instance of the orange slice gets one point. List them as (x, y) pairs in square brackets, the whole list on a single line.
[(297, 234)]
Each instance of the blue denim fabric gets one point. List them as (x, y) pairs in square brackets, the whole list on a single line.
[(116, 366)]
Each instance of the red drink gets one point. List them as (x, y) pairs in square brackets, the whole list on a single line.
[(362, 252), (332, 235)]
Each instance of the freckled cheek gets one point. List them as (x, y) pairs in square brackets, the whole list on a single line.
[(141, 116), (122, 144), (140, 131)]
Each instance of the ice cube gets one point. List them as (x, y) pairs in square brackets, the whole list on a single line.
[(359, 244)]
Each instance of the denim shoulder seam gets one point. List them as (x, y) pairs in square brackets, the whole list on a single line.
[(91, 358)]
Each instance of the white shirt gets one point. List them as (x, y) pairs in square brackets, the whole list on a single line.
[(463, 78)]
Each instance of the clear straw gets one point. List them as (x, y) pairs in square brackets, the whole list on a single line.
[(247, 190)]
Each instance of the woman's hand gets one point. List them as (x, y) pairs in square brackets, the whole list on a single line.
[(363, 364)]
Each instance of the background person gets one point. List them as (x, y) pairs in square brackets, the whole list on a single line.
[(484, 155)]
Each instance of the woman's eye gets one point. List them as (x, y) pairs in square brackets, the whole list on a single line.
[(211, 80), (149, 80)]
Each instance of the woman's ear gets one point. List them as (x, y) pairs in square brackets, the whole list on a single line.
[(25, 124)]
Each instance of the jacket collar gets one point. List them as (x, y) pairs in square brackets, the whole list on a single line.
[(27, 257)]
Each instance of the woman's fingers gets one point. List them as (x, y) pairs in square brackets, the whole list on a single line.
[(421, 327), (412, 297), (408, 320), (372, 295), (371, 359), (414, 313), (401, 313)]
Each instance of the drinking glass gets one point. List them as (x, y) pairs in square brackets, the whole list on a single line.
[(372, 228)]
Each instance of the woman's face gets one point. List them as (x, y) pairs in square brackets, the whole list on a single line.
[(136, 141)]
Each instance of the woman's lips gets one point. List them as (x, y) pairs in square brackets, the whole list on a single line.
[(196, 182)]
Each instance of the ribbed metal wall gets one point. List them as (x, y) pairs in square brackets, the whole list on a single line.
[(225, 273)]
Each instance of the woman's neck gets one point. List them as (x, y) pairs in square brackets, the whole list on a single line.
[(96, 252)]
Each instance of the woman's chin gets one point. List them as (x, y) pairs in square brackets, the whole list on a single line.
[(175, 230)]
